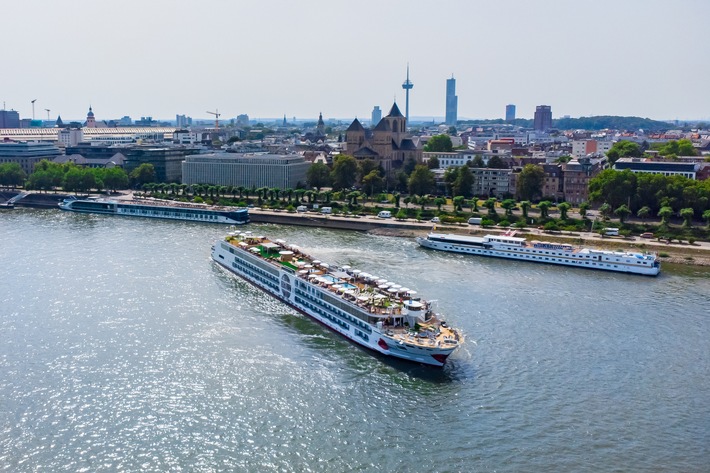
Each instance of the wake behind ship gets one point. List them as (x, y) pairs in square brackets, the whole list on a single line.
[(370, 311), (170, 212)]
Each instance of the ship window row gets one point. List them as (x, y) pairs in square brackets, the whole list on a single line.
[(256, 273), (323, 313), (170, 213), (163, 209), (259, 263), (362, 335), (343, 306), (350, 318)]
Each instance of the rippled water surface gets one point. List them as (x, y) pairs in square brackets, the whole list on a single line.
[(124, 348)]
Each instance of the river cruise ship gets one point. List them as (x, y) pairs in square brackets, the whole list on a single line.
[(511, 247), (370, 311), (173, 212)]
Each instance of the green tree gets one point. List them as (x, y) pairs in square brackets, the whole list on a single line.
[(115, 178), (439, 201), (524, 206), (490, 204), (564, 208), (623, 149), (463, 184), (344, 172), (544, 208), (583, 208), (478, 162), (643, 212), (318, 176), (142, 174), (421, 181), (11, 175), (496, 162), (509, 206), (664, 214), (366, 166), (40, 180), (72, 180), (530, 180), (440, 143), (373, 183), (458, 203), (622, 212), (706, 217), (401, 214), (605, 210), (687, 215), (433, 163), (614, 187), (682, 147), (352, 198), (409, 164)]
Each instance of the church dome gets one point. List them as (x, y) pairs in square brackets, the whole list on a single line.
[(91, 113)]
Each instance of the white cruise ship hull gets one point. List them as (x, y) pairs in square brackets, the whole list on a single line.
[(315, 302), (589, 259), (110, 207)]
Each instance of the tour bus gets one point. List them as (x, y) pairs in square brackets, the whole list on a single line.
[(326, 210), (475, 221), (301, 208), (611, 231), (385, 214)]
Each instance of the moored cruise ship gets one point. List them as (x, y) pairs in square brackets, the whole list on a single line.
[(511, 247), (174, 212), (370, 311)]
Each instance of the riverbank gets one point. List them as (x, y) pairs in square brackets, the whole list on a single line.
[(696, 254)]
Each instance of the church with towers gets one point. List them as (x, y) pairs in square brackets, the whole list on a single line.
[(388, 143)]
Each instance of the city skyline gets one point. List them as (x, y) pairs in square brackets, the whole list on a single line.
[(583, 58)]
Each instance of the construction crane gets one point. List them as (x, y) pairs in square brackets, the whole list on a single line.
[(216, 118)]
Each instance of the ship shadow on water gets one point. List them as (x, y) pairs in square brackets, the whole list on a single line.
[(334, 346)]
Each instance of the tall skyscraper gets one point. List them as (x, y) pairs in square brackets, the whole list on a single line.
[(543, 117), (510, 113), (452, 102), (376, 115), (407, 86)]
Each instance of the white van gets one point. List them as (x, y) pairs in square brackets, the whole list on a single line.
[(475, 221), (384, 214), (301, 208), (326, 210), (611, 231)]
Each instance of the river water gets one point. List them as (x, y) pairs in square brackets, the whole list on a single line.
[(124, 348)]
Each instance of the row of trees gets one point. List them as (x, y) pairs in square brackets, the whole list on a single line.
[(12, 175), (671, 149), (638, 190), (48, 176)]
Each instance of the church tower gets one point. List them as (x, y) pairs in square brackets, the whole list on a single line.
[(320, 127), (90, 121)]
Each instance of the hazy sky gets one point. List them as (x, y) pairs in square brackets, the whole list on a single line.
[(646, 58)]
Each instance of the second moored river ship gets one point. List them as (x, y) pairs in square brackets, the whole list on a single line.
[(511, 247), (171, 212), (370, 311)]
